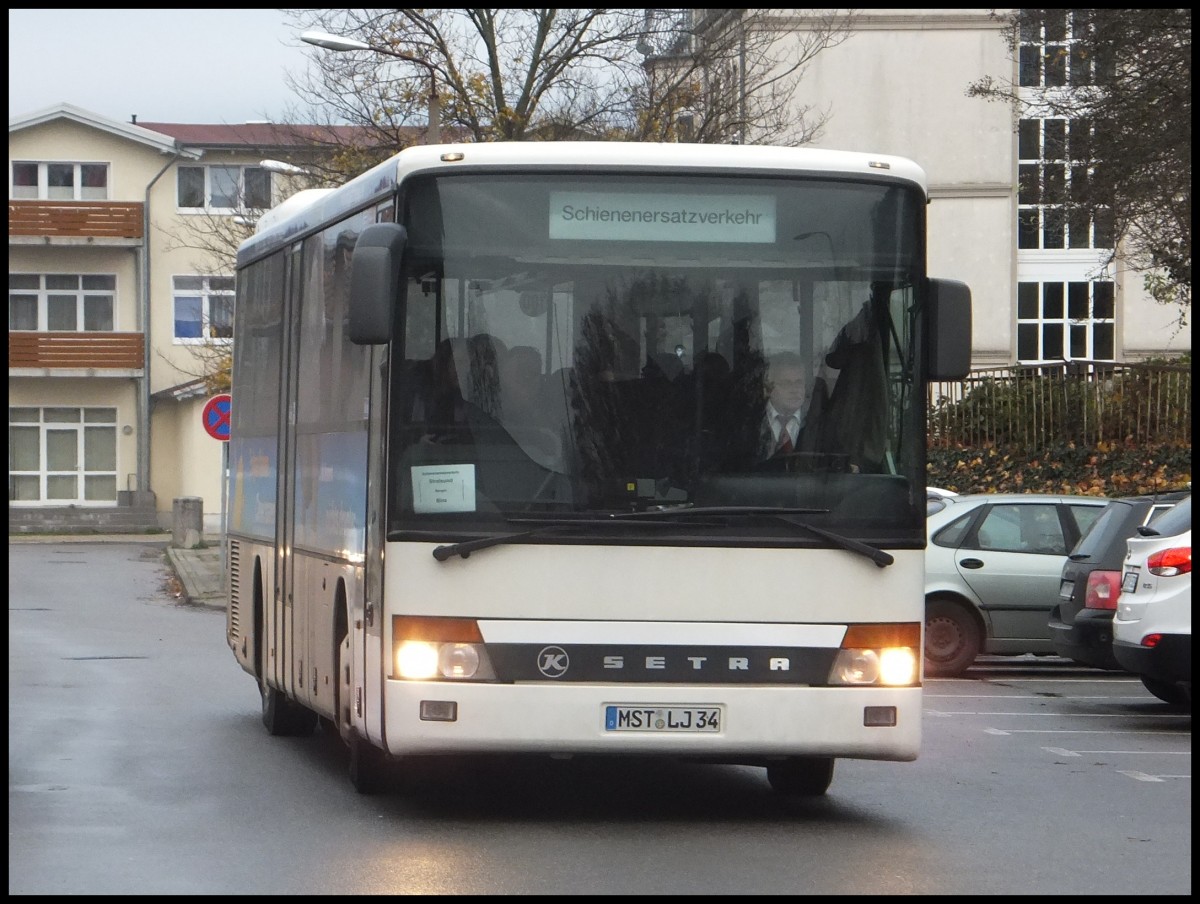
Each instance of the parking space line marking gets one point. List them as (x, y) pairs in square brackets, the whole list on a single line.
[(1011, 731), (957, 712), (1057, 680), (1063, 752), (1142, 697), (1140, 776)]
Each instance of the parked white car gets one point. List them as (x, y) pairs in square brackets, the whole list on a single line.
[(935, 499), (1152, 630)]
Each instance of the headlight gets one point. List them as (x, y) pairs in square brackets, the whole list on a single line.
[(885, 655), (427, 649)]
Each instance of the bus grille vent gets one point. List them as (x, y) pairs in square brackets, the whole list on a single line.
[(235, 591)]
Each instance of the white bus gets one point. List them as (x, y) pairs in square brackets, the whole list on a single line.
[(497, 480)]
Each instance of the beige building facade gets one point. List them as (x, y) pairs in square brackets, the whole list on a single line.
[(121, 287)]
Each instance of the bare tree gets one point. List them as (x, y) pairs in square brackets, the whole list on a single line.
[(705, 76), (731, 76), (1123, 77), (713, 76)]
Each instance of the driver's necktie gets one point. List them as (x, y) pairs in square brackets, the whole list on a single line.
[(784, 446)]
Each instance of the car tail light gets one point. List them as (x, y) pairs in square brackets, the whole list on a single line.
[(1168, 563), (1103, 588)]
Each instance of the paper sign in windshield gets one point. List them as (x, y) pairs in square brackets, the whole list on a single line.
[(607, 216), (443, 488)]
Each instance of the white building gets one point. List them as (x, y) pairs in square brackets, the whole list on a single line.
[(898, 85)]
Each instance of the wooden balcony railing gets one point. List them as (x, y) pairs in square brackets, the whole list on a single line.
[(76, 219), (77, 351)]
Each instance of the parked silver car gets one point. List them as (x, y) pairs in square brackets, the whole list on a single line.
[(993, 564)]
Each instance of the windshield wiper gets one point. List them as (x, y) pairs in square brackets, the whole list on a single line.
[(466, 547), (878, 556)]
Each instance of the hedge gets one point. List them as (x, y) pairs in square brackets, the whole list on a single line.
[(1105, 469)]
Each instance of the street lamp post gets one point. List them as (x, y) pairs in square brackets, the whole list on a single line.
[(340, 44)]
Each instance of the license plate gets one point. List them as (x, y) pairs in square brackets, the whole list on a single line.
[(1067, 588), (663, 718), (1129, 582)]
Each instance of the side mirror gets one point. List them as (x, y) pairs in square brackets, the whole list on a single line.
[(375, 283), (948, 329)]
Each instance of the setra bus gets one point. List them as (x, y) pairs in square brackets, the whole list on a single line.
[(497, 469)]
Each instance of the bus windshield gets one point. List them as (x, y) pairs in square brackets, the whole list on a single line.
[(578, 346)]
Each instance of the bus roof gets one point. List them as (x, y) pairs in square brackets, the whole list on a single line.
[(317, 208)]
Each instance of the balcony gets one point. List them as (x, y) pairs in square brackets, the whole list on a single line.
[(75, 222), (75, 354)]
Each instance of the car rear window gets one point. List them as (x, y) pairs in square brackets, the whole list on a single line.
[(1086, 515), (1175, 521), (1108, 528)]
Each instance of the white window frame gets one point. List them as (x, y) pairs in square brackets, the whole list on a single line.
[(208, 206), (82, 295), (43, 190), (205, 292), (1045, 184), (1081, 269), (1053, 47), (49, 420)]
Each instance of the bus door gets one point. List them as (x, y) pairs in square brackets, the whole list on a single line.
[(282, 629)]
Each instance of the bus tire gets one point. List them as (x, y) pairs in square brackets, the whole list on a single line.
[(282, 717), (368, 765), (801, 776), (952, 638)]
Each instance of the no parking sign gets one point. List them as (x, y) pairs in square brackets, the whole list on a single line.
[(216, 416)]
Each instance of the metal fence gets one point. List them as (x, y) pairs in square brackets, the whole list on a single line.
[(1083, 402)]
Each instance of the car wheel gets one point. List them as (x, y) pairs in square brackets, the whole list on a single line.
[(801, 776), (952, 638), (1166, 691)]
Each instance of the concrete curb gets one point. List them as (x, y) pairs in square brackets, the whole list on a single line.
[(202, 574)]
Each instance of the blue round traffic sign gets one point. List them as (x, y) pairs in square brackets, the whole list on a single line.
[(216, 416)]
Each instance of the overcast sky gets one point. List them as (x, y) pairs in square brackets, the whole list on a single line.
[(164, 65)]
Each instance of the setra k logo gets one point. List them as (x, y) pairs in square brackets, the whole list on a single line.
[(553, 662)]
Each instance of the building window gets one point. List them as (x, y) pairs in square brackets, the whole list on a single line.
[(62, 456), (61, 302), (1065, 321), (227, 189), (203, 308), (1050, 175), (59, 181), (1051, 55)]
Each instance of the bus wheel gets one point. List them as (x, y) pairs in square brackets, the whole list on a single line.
[(368, 765), (283, 717), (801, 776), (952, 638)]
